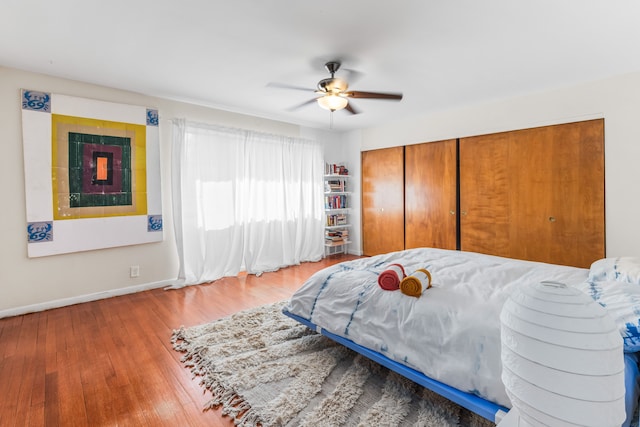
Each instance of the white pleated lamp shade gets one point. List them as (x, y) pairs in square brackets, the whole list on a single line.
[(562, 358)]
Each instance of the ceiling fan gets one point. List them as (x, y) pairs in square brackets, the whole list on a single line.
[(334, 93)]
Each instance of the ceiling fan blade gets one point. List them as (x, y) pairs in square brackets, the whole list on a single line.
[(295, 107), (350, 108), (374, 95), (288, 86)]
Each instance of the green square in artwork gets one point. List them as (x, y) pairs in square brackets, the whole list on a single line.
[(99, 170)]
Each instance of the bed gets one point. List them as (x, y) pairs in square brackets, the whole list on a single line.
[(448, 339)]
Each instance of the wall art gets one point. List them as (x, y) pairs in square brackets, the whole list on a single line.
[(92, 174)]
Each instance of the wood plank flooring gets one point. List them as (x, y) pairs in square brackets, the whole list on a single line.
[(111, 363)]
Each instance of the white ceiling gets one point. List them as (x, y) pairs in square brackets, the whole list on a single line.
[(439, 53)]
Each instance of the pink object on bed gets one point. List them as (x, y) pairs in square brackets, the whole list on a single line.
[(390, 279)]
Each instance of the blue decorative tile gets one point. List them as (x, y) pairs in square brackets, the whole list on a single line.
[(154, 223), (40, 231), (37, 101), (152, 117)]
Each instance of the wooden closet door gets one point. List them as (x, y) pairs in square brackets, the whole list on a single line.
[(430, 195), (535, 194), (484, 194), (561, 207), (383, 200)]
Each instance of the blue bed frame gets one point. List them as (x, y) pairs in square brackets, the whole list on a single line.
[(476, 404)]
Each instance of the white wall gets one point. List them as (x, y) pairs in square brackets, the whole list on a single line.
[(344, 148), (616, 99), (349, 149), (38, 283)]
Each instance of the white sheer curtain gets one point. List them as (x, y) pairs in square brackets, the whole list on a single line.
[(244, 199)]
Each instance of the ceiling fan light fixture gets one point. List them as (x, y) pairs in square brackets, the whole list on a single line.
[(332, 102), (332, 93)]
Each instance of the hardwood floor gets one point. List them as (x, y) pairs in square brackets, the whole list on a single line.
[(111, 363)]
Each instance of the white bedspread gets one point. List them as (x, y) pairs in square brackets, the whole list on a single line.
[(451, 333)]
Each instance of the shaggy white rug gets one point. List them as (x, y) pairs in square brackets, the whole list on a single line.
[(266, 369)]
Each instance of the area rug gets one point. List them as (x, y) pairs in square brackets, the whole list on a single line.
[(265, 369)]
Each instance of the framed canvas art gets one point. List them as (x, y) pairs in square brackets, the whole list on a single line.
[(92, 174)]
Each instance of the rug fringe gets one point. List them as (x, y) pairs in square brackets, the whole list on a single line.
[(249, 419), (233, 405), (239, 359)]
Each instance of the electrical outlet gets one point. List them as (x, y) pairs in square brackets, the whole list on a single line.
[(134, 271)]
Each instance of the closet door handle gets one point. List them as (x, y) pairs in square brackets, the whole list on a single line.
[(452, 212), (552, 219), (464, 213)]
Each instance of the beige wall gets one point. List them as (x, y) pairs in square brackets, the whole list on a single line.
[(38, 283), (616, 99)]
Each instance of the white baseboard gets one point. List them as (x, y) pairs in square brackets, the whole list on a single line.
[(82, 298)]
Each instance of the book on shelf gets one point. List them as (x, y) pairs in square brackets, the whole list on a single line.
[(336, 185), (336, 219), (334, 169), (336, 235), (335, 202)]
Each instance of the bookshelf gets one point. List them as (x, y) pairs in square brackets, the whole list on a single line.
[(336, 209)]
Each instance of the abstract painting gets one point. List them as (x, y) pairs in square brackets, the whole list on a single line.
[(92, 174)]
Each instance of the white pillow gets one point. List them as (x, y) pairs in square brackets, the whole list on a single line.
[(620, 269), (622, 302)]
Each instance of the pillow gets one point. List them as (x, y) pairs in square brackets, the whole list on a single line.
[(620, 269), (622, 302)]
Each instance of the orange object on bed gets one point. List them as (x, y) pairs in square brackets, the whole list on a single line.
[(415, 284)]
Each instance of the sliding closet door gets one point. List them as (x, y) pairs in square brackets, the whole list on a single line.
[(383, 200), (430, 195), (535, 194), (561, 209), (484, 194)]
